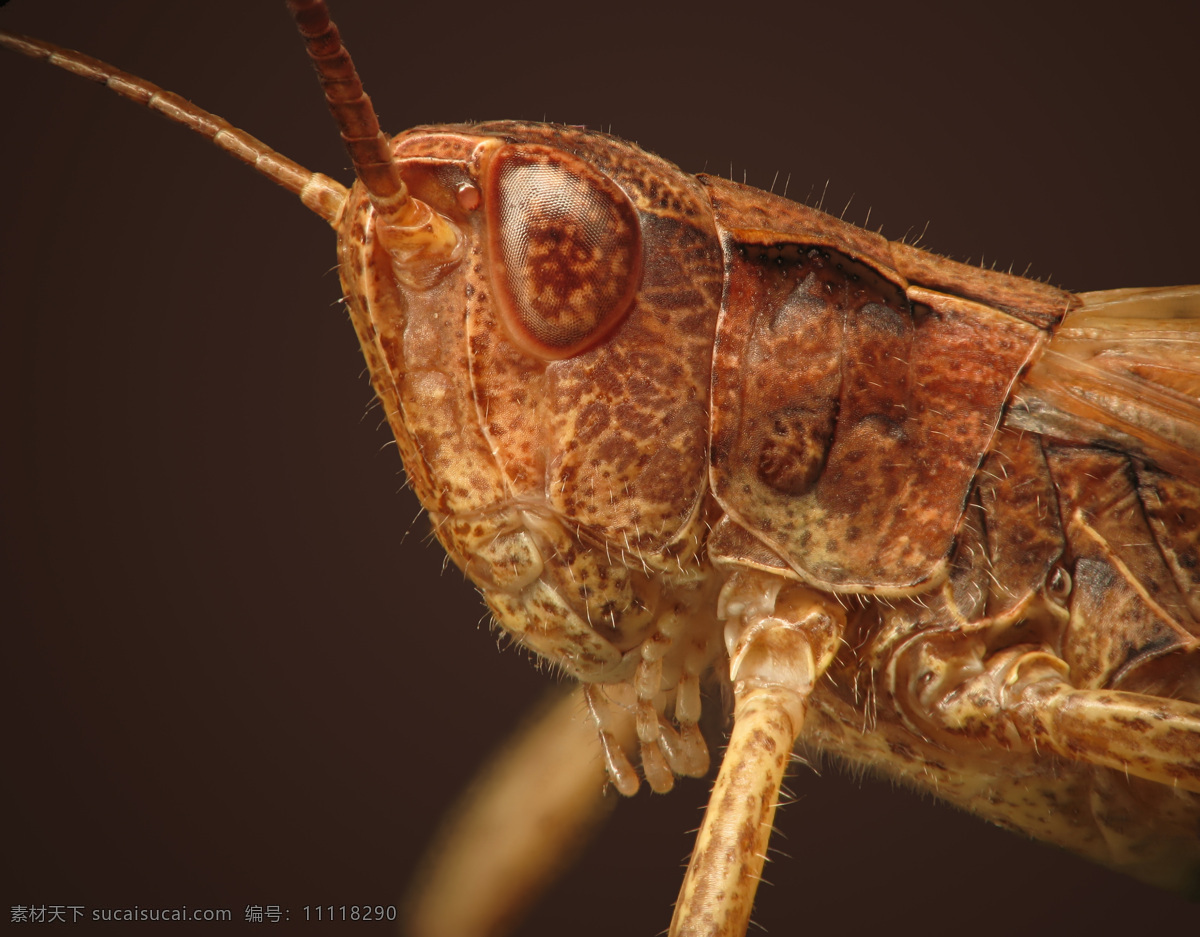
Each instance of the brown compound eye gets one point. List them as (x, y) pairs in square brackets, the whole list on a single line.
[(566, 250)]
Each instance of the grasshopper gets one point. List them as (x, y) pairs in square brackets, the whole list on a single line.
[(264, 392)]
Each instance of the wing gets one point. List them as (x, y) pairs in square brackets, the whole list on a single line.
[(1116, 397), (1122, 372)]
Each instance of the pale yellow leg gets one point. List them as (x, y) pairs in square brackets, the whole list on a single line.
[(722, 878), (1024, 696), (530, 809), (781, 638), (1145, 736)]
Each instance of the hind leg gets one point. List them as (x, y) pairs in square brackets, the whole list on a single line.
[(528, 812)]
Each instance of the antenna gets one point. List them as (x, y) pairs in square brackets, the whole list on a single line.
[(416, 236), (318, 192)]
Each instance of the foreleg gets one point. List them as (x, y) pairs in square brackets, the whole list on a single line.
[(781, 638)]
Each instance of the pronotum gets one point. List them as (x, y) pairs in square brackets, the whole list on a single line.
[(172, 686)]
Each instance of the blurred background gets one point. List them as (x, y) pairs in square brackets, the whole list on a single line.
[(236, 671)]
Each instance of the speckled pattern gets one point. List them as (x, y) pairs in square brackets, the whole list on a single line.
[(567, 247), (1022, 604), (570, 488), (851, 412)]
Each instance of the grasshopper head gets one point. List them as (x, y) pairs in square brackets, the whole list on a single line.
[(545, 366)]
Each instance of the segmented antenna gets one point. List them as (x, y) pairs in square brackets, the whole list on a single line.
[(352, 110), (419, 240), (318, 192)]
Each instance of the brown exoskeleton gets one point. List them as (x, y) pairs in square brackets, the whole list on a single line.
[(793, 850)]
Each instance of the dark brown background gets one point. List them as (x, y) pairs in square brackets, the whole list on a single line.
[(235, 671)]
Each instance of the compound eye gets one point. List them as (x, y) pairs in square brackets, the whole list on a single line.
[(566, 250)]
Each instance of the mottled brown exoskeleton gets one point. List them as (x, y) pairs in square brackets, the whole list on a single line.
[(784, 458)]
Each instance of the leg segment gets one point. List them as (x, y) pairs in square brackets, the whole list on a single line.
[(1145, 736), (528, 811), (1020, 698), (781, 638), (718, 891)]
